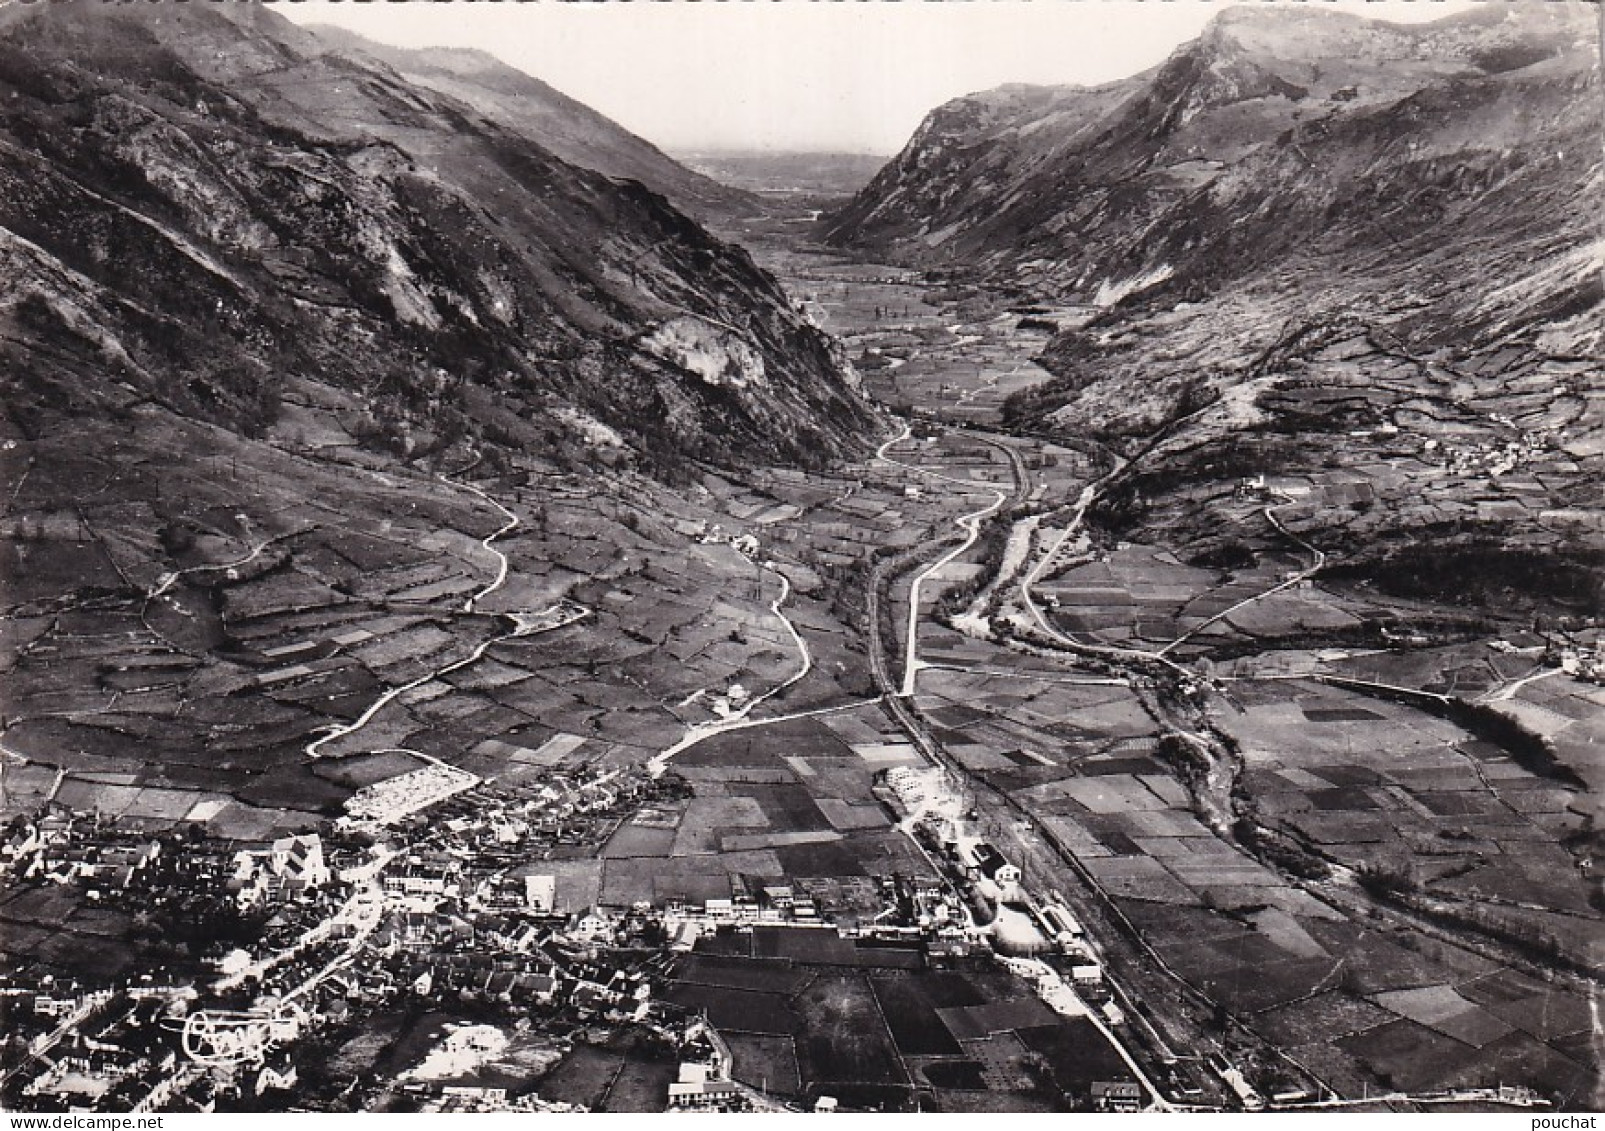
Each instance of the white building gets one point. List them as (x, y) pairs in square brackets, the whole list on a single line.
[(992, 864), (299, 859)]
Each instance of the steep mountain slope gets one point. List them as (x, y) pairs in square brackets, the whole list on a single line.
[(203, 206), (568, 128), (1067, 188), (1299, 238)]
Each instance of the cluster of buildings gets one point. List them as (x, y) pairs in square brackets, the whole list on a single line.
[(1117, 1095), (427, 911), (1235, 1079), (465, 1099), (892, 906), (925, 792), (115, 866), (113, 1048), (748, 904), (702, 1081), (1585, 662), (289, 867), (1490, 459), (523, 962), (435, 911), (474, 843), (1579, 654), (928, 797), (988, 862), (744, 544), (119, 1047), (69, 848)]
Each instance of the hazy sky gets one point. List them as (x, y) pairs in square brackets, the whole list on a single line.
[(796, 75)]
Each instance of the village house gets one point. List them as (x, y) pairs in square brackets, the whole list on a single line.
[(698, 1087), (21, 843), (992, 864)]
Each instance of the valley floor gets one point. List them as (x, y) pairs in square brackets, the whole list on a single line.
[(1310, 833)]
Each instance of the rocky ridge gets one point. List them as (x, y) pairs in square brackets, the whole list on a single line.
[(567, 127)]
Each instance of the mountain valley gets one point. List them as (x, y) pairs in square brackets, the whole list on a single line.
[(1101, 613), (1288, 217)]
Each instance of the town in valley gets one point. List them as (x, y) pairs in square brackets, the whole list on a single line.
[(1096, 612)]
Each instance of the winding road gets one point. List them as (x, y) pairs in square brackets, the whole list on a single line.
[(507, 527), (969, 523), (363, 911), (168, 580), (900, 704), (796, 639), (314, 748), (738, 720), (1317, 564), (1034, 575)]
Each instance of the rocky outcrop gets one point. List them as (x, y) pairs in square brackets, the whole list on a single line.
[(203, 204)]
